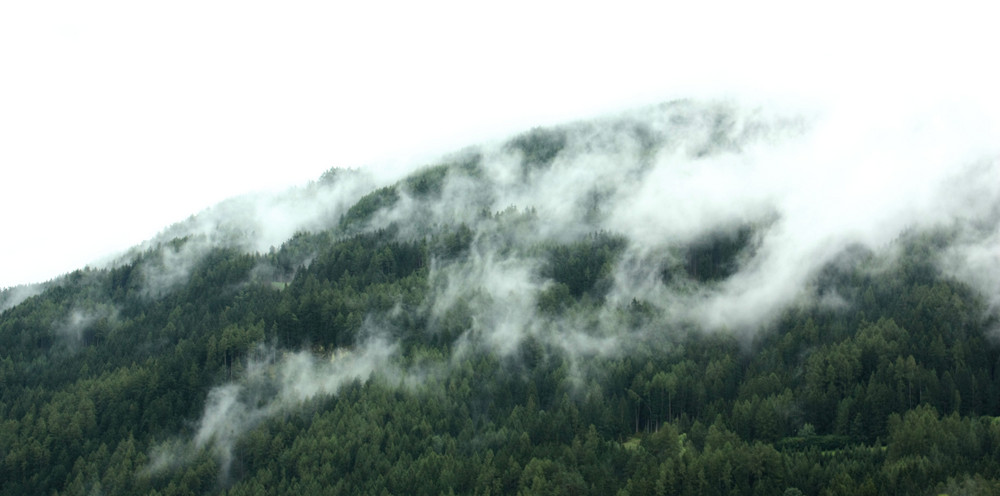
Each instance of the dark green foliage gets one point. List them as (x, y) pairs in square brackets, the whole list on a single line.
[(428, 182), (336, 174), (892, 390), (452, 244), (362, 211), (295, 252), (555, 298), (583, 266), (538, 147), (717, 255)]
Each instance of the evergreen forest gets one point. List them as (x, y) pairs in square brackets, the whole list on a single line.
[(543, 316)]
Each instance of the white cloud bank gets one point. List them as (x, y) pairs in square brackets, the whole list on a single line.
[(812, 183), (119, 118)]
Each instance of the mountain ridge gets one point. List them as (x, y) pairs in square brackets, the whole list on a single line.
[(623, 306)]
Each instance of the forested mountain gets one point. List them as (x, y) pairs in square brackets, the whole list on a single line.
[(696, 298)]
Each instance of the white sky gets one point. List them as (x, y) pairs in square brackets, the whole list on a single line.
[(120, 118)]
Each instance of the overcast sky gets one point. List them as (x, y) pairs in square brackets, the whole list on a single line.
[(119, 118)]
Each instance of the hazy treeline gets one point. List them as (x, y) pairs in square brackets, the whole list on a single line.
[(656, 303)]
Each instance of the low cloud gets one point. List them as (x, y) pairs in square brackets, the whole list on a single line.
[(14, 296), (500, 292), (809, 184), (274, 382), (172, 265), (259, 221), (83, 325), (781, 194)]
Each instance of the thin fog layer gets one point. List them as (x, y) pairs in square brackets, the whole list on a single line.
[(14, 296), (792, 190), (254, 223), (809, 187), (273, 383), (74, 328)]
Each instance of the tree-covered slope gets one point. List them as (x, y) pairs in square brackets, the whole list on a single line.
[(635, 305)]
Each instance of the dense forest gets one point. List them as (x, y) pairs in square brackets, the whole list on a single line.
[(494, 324)]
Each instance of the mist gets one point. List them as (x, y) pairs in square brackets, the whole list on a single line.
[(252, 223), (75, 328), (273, 383), (13, 296), (790, 190), (665, 177)]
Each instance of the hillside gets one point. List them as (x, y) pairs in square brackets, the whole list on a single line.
[(695, 298)]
